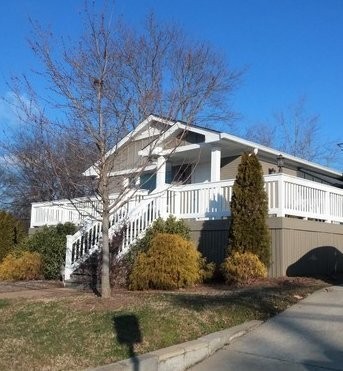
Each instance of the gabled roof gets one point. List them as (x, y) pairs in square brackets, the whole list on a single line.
[(91, 171), (214, 137)]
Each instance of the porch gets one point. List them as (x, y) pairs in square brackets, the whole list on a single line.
[(288, 196)]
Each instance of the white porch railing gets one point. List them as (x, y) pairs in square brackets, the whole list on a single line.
[(74, 211), (287, 196), (212, 200), (310, 200)]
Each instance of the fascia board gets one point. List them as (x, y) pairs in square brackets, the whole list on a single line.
[(275, 152)]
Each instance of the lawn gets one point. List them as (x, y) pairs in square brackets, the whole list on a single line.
[(83, 331)]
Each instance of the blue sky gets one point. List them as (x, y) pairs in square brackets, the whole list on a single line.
[(290, 47)]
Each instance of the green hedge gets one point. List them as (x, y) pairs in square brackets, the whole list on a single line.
[(50, 243)]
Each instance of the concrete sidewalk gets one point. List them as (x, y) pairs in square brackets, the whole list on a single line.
[(307, 336)]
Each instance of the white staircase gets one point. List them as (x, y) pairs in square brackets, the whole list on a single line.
[(133, 218)]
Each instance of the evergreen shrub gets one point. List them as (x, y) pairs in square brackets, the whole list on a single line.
[(12, 232), (50, 243), (23, 265), (171, 226), (243, 267), (249, 211), (171, 262)]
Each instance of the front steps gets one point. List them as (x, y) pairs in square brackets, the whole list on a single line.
[(86, 276)]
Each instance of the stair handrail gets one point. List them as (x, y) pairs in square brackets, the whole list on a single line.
[(85, 241), (140, 218)]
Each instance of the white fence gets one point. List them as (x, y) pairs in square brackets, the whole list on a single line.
[(212, 200), (74, 211), (287, 196)]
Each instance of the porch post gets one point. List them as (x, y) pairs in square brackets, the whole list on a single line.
[(161, 172), (215, 164), (160, 185)]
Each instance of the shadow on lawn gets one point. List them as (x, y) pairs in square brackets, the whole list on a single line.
[(126, 328), (268, 301)]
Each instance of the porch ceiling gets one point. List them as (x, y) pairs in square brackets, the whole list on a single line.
[(202, 152)]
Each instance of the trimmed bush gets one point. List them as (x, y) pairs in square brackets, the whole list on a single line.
[(171, 226), (12, 232), (171, 262), (23, 265), (243, 267), (50, 243)]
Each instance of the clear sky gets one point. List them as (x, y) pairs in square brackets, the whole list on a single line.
[(291, 47)]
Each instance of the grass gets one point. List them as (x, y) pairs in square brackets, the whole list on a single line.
[(84, 331), (3, 303)]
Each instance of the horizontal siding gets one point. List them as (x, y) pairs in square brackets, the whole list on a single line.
[(269, 167), (229, 167)]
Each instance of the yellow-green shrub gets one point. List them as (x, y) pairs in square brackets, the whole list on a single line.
[(242, 267), (22, 266), (171, 262)]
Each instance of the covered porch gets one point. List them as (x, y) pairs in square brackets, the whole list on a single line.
[(288, 196)]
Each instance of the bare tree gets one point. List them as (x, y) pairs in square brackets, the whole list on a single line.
[(261, 133), (30, 166), (102, 85), (296, 132)]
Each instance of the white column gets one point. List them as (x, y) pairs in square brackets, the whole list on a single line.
[(215, 164), (161, 172)]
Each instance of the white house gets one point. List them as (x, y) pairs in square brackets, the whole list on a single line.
[(189, 171)]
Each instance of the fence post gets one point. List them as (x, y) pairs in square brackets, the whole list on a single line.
[(33, 216), (162, 204), (281, 196), (177, 200), (68, 263), (327, 208)]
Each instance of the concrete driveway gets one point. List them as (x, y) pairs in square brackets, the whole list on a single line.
[(307, 336)]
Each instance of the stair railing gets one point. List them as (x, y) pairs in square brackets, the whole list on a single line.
[(134, 217)]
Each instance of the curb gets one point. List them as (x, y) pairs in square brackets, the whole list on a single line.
[(181, 356)]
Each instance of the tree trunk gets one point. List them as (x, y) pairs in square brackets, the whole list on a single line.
[(105, 264)]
